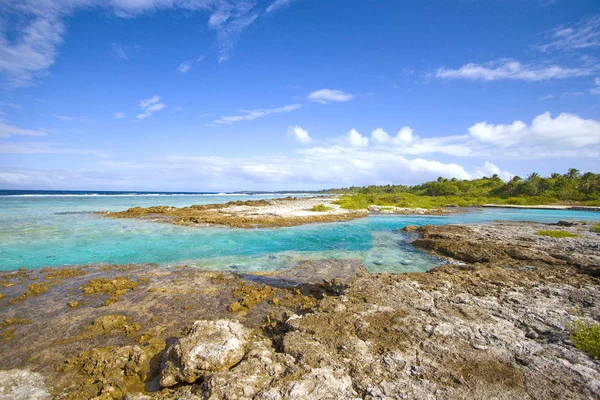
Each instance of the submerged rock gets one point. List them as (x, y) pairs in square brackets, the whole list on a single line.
[(22, 384), (209, 346)]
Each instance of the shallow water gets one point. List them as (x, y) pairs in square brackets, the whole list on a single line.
[(37, 231)]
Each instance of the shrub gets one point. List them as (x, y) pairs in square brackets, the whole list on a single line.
[(586, 336), (556, 234), (321, 208), (596, 228)]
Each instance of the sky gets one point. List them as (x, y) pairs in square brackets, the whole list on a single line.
[(225, 95)]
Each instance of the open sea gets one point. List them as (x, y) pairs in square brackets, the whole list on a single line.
[(47, 228)]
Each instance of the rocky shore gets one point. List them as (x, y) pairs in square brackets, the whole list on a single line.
[(289, 211), (493, 326)]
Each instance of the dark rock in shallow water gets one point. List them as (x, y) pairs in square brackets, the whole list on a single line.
[(566, 223)]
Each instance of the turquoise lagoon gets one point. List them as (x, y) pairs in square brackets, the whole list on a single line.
[(56, 230)]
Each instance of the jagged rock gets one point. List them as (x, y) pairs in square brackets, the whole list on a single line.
[(320, 383), (410, 228), (209, 346), (261, 366), (22, 384)]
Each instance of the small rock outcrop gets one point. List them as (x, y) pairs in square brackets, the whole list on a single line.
[(210, 346), (22, 384)]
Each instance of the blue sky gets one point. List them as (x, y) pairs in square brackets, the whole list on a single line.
[(221, 95)]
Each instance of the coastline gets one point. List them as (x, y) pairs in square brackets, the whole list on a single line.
[(289, 211), (495, 325), (543, 207)]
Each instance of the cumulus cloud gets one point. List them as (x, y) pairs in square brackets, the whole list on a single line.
[(27, 51), (489, 169), (149, 107), (7, 131), (380, 136), (511, 70), (404, 136), (298, 134), (564, 136), (355, 139), (250, 115), (325, 96), (581, 35), (566, 131)]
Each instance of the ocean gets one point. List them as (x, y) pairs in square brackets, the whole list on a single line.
[(51, 228)]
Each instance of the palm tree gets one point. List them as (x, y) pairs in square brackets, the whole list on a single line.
[(555, 175), (573, 173), (532, 176)]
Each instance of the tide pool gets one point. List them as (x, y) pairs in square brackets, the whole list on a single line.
[(38, 231)]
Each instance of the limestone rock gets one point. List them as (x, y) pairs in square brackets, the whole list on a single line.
[(320, 383), (210, 346), (22, 384)]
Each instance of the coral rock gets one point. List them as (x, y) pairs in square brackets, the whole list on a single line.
[(210, 346)]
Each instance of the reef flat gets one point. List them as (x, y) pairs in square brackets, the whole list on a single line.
[(290, 211), (495, 325)]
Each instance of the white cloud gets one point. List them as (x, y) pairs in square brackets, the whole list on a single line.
[(380, 136), (10, 130), (404, 136), (511, 70), (596, 90), (149, 106), (278, 4), (565, 136), (325, 96), (582, 35), (333, 166), (489, 169), (184, 67), (119, 115), (26, 51), (120, 52), (12, 105), (566, 131), (43, 148), (63, 117), (356, 139), (250, 115), (298, 134), (32, 50)]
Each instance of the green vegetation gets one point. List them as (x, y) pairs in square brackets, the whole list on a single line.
[(596, 228), (321, 208), (570, 188), (556, 234), (586, 336)]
